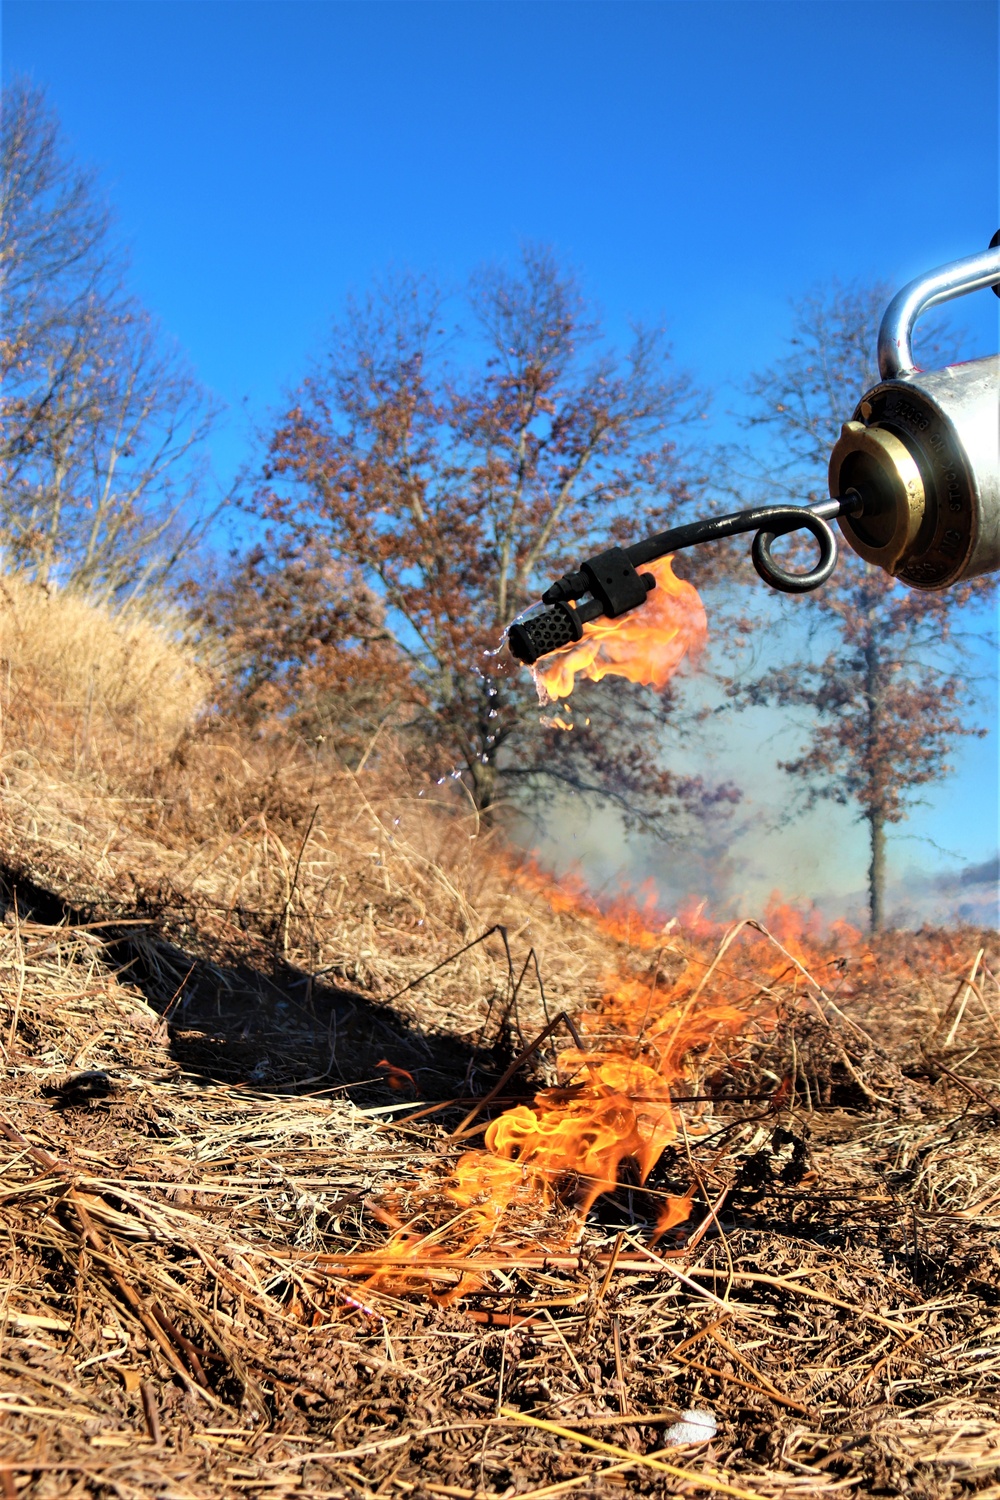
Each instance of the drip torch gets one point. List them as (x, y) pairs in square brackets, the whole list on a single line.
[(914, 484)]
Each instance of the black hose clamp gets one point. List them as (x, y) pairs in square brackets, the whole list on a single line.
[(612, 578)]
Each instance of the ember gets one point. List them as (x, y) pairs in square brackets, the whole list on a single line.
[(396, 1078)]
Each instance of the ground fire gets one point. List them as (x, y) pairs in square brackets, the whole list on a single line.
[(611, 1113)]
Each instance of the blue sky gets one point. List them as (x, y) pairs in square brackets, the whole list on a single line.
[(701, 164)]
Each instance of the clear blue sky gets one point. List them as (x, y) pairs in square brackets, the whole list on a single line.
[(700, 163)]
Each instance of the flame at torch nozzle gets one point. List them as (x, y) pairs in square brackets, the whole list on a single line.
[(617, 589)]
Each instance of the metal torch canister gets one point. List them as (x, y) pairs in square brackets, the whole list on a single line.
[(923, 447)]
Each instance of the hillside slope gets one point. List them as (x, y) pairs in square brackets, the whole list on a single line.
[(246, 1065)]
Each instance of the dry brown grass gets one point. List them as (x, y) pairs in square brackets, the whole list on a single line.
[(128, 681), (121, 790), (202, 965)]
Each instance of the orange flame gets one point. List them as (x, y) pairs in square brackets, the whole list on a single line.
[(396, 1078), (631, 917), (611, 1104), (646, 646), (544, 1164)]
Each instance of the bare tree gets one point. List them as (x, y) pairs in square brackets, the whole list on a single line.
[(455, 494), (102, 425), (881, 669)]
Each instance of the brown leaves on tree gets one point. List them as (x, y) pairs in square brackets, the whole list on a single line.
[(454, 493), (307, 650)]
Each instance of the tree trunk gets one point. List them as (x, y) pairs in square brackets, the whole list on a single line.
[(874, 809), (484, 776), (47, 558), (876, 870)]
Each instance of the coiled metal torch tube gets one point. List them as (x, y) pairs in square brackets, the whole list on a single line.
[(769, 522), (538, 635)]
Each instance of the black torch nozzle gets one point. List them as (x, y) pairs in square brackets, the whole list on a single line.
[(614, 585)]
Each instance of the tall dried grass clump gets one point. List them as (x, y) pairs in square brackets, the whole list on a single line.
[(72, 669)]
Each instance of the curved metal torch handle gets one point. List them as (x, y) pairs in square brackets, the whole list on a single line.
[(534, 636), (895, 336)]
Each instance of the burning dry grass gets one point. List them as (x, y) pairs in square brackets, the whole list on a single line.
[(236, 1114), (646, 646)]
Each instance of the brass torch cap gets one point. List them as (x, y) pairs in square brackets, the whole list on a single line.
[(882, 470)]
